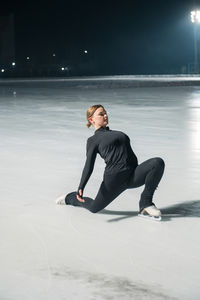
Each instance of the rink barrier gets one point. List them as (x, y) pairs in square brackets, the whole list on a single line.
[(107, 81)]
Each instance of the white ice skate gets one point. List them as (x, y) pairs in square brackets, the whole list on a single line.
[(151, 212), (61, 200)]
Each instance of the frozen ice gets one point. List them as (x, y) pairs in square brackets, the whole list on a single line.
[(62, 252)]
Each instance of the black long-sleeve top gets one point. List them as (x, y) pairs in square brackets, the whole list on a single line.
[(114, 147)]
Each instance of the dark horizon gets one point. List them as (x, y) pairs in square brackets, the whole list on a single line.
[(131, 37)]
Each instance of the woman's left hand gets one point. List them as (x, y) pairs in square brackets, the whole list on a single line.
[(79, 198)]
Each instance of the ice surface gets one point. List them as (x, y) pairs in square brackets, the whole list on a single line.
[(61, 252)]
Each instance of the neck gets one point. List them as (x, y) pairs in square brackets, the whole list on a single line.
[(97, 127)]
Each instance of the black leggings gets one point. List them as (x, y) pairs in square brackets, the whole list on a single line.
[(148, 173)]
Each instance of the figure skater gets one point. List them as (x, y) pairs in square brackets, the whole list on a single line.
[(122, 170)]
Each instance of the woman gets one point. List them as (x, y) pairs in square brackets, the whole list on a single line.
[(121, 172)]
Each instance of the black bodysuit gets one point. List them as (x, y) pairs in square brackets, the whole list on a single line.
[(121, 172), (114, 147)]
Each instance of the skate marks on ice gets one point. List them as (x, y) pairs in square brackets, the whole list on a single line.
[(103, 286), (180, 210)]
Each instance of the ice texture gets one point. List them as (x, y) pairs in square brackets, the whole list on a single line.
[(63, 252)]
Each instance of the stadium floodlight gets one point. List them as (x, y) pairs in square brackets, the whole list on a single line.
[(13, 63), (195, 19), (195, 16), (62, 69), (2, 70), (85, 51)]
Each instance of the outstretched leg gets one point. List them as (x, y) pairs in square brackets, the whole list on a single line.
[(110, 188), (149, 173)]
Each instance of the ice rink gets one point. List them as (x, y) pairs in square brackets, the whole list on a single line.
[(52, 252)]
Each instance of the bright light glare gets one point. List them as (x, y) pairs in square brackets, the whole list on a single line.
[(62, 69), (54, 54), (28, 58), (13, 64), (85, 51), (195, 16), (2, 70)]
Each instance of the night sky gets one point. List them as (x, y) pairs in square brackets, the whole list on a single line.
[(126, 37)]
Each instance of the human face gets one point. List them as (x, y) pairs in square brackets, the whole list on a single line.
[(99, 118)]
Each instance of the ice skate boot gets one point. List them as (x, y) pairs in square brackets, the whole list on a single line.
[(61, 200), (151, 212)]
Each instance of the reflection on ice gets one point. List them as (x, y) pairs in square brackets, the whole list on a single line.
[(195, 129), (194, 122)]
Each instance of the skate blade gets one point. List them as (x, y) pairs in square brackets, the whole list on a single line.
[(150, 217)]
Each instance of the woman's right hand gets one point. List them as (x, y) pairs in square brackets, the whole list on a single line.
[(80, 198)]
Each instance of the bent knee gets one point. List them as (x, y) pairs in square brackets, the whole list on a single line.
[(159, 161), (94, 210)]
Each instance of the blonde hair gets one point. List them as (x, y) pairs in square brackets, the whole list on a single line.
[(91, 110)]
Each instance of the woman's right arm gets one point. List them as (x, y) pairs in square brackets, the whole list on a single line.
[(91, 154)]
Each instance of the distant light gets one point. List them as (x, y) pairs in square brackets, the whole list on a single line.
[(62, 69), (195, 16), (2, 70), (13, 63), (85, 51), (54, 54), (28, 58)]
